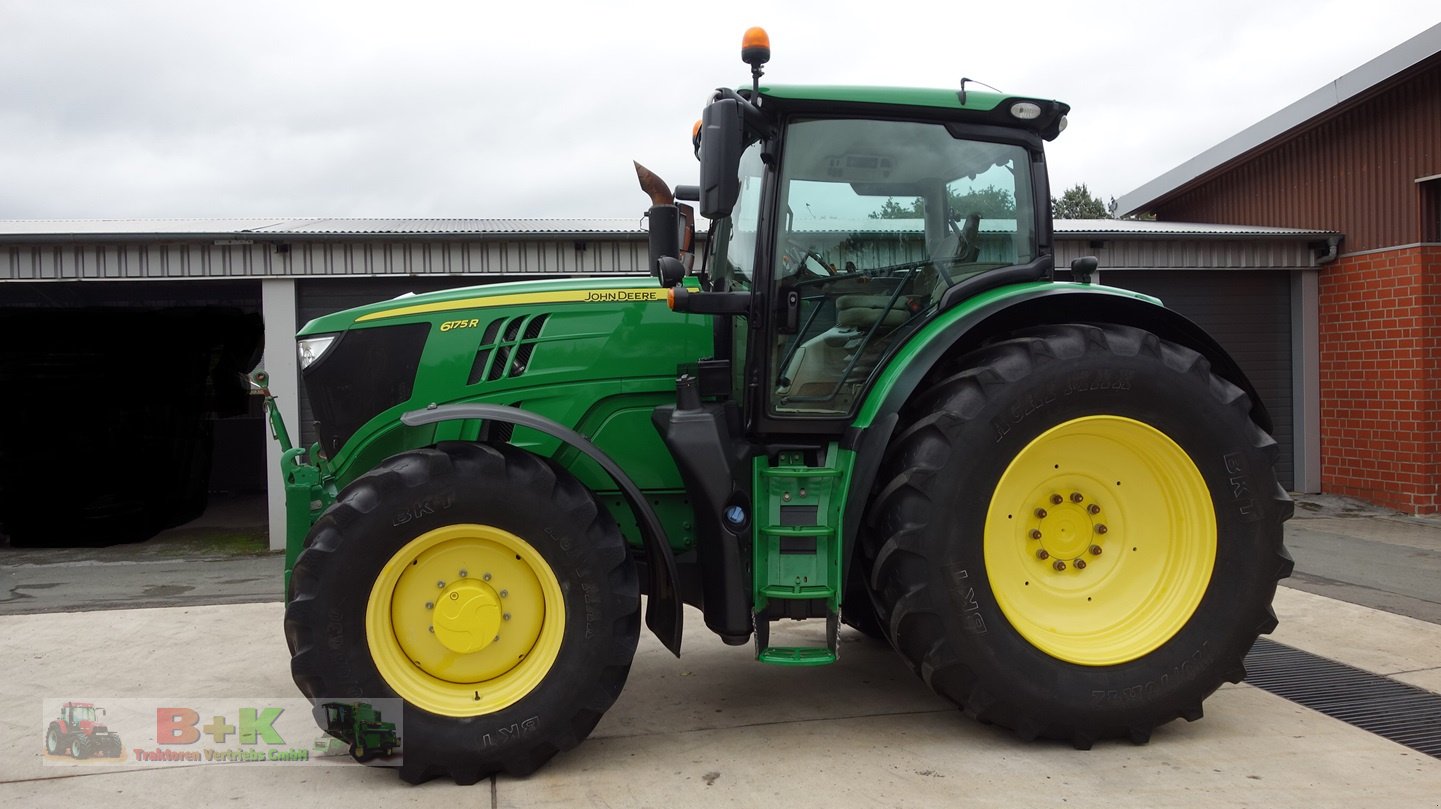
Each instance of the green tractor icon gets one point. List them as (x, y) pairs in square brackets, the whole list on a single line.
[(359, 725)]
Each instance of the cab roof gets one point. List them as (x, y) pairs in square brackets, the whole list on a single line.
[(978, 106), (949, 99)]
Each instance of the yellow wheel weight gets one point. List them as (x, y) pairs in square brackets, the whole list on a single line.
[(465, 620), (1100, 540)]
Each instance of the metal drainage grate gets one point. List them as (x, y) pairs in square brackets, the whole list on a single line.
[(1388, 708)]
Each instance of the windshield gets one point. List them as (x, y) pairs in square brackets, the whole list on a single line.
[(878, 219)]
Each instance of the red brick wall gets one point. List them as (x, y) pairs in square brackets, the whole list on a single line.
[(1381, 378)]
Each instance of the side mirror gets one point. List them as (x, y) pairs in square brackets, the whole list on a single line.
[(1083, 268), (722, 138)]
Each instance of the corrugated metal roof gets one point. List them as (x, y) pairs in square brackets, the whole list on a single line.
[(1346, 88), (131, 227), (460, 226), (1121, 228), (240, 227), (19, 230)]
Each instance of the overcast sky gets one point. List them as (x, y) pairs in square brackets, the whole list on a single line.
[(139, 108)]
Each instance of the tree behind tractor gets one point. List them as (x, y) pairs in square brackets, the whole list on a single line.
[(872, 400), (78, 732)]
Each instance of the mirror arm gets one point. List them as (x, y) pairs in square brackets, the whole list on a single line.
[(755, 120)]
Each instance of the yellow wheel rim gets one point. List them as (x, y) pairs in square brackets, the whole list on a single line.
[(1100, 540), (465, 620)]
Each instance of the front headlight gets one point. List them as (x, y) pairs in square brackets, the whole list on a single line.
[(311, 349)]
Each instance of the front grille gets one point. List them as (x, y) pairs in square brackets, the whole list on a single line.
[(364, 373)]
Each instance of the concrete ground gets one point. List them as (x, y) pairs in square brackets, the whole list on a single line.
[(716, 729)]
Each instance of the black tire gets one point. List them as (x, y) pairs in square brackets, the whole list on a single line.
[(924, 541), (54, 740), (857, 610), (458, 483)]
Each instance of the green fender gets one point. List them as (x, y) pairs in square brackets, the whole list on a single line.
[(966, 326)]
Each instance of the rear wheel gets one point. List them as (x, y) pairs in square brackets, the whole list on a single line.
[(484, 587), (1079, 533)]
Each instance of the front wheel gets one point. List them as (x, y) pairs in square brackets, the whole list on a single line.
[(482, 585), (1079, 534), (53, 742)]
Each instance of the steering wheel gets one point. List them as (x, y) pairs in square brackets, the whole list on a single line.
[(807, 260)]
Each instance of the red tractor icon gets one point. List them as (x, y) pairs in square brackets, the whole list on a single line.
[(78, 733)]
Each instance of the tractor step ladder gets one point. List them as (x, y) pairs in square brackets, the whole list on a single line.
[(797, 552)]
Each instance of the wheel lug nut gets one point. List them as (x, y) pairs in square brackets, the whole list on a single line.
[(432, 630), (430, 605), (1080, 564), (1076, 497), (440, 584), (1093, 509), (1056, 500), (485, 577), (1058, 565), (1035, 533), (505, 617), (1095, 550), (1101, 529), (1041, 554), (1041, 513), (463, 574), (504, 593)]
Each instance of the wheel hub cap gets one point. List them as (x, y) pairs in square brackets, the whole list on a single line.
[(467, 617), (1067, 531)]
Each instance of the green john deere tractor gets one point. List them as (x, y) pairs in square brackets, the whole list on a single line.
[(359, 725), (871, 399)]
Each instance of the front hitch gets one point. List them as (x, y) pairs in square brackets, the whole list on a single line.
[(306, 474)]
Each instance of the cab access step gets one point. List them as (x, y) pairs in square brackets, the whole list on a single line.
[(797, 551)]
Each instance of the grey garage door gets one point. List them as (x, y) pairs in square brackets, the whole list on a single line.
[(1249, 313)]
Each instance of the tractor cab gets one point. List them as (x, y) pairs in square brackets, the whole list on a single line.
[(844, 218), (880, 219), (77, 714), (844, 221)]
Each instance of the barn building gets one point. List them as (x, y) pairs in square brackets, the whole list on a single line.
[(1361, 157)]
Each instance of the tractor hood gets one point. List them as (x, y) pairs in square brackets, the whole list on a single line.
[(550, 346), (410, 308)]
